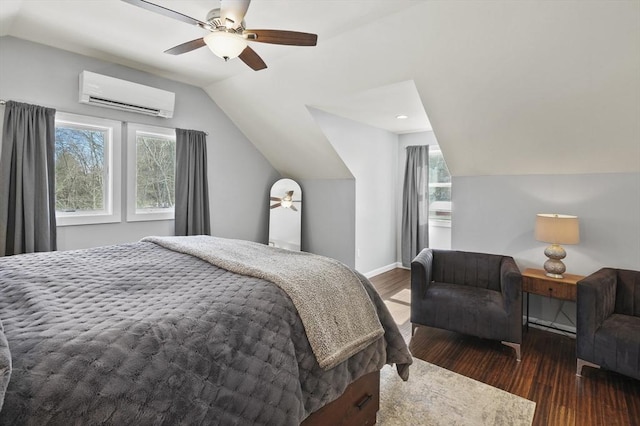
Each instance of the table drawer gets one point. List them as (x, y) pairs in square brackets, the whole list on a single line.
[(549, 287)]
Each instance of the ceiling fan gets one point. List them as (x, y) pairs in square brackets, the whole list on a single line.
[(228, 37), (285, 202)]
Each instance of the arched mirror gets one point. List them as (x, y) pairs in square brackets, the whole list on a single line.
[(285, 219)]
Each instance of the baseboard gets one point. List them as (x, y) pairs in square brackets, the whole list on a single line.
[(382, 270), (544, 324)]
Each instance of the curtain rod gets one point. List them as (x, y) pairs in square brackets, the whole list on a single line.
[(3, 102)]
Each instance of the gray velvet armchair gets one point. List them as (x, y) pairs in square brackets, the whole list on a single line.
[(472, 293), (608, 321)]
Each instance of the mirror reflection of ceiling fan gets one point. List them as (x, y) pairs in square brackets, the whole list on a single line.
[(228, 37), (285, 202)]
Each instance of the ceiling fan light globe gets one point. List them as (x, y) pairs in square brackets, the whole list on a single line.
[(225, 45)]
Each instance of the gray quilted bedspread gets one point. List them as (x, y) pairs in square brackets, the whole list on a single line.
[(136, 334)]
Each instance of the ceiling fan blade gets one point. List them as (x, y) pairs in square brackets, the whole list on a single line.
[(290, 193), (293, 208), (291, 38), (232, 12), (186, 47), (251, 58), (167, 12), (276, 199), (275, 205)]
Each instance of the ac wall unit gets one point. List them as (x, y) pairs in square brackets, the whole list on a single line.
[(109, 92)]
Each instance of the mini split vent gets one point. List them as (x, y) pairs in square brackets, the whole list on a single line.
[(109, 92)]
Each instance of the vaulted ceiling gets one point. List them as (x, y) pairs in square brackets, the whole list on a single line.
[(509, 87)]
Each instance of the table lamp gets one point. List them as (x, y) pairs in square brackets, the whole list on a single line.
[(556, 229)]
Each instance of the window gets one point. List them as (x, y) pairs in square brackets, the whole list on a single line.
[(151, 165), (439, 187), (87, 178)]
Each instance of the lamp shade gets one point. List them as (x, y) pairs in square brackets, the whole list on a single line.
[(225, 45), (557, 229)]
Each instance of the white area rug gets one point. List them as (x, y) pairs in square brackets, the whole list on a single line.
[(436, 396)]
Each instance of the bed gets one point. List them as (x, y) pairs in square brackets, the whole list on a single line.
[(155, 333)]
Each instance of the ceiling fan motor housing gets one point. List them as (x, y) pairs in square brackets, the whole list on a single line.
[(214, 18)]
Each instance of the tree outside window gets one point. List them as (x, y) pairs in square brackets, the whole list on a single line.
[(156, 168), (86, 177), (439, 187), (151, 170), (80, 169)]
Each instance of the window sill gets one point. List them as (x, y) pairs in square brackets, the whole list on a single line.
[(150, 216), (86, 219), (440, 223)]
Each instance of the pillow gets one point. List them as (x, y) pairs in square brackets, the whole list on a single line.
[(5, 364)]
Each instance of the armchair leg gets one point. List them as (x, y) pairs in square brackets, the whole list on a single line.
[(581, 363), (515, 346)]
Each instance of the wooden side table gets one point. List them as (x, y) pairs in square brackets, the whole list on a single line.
[(534, 281)]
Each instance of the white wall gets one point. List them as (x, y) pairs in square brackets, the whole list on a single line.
[(370, 154), (239, 176), (376, 158), (496, 214)]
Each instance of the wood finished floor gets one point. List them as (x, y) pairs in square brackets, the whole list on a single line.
[(545, 375)]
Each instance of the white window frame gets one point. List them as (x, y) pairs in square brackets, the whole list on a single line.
[(133, 214), (112, 159), (446, 223)]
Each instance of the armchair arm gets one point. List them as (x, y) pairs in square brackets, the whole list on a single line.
[(511, 286), (596, 302), (421, 273)]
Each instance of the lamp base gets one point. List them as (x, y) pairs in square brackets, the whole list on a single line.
[(554, 267), (557, 276)]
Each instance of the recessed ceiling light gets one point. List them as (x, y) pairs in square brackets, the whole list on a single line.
[(402, 117)]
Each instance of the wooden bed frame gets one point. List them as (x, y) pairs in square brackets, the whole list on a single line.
[(357, 406)]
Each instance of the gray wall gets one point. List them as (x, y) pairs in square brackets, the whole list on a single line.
[(496, 214), (370, 154), (239, 176), (328, 218)]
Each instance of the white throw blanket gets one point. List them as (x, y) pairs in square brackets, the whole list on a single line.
[(335, 309)]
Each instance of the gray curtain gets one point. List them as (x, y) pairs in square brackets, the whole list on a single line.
[(27, 180), (192, 192), (415, 203)]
